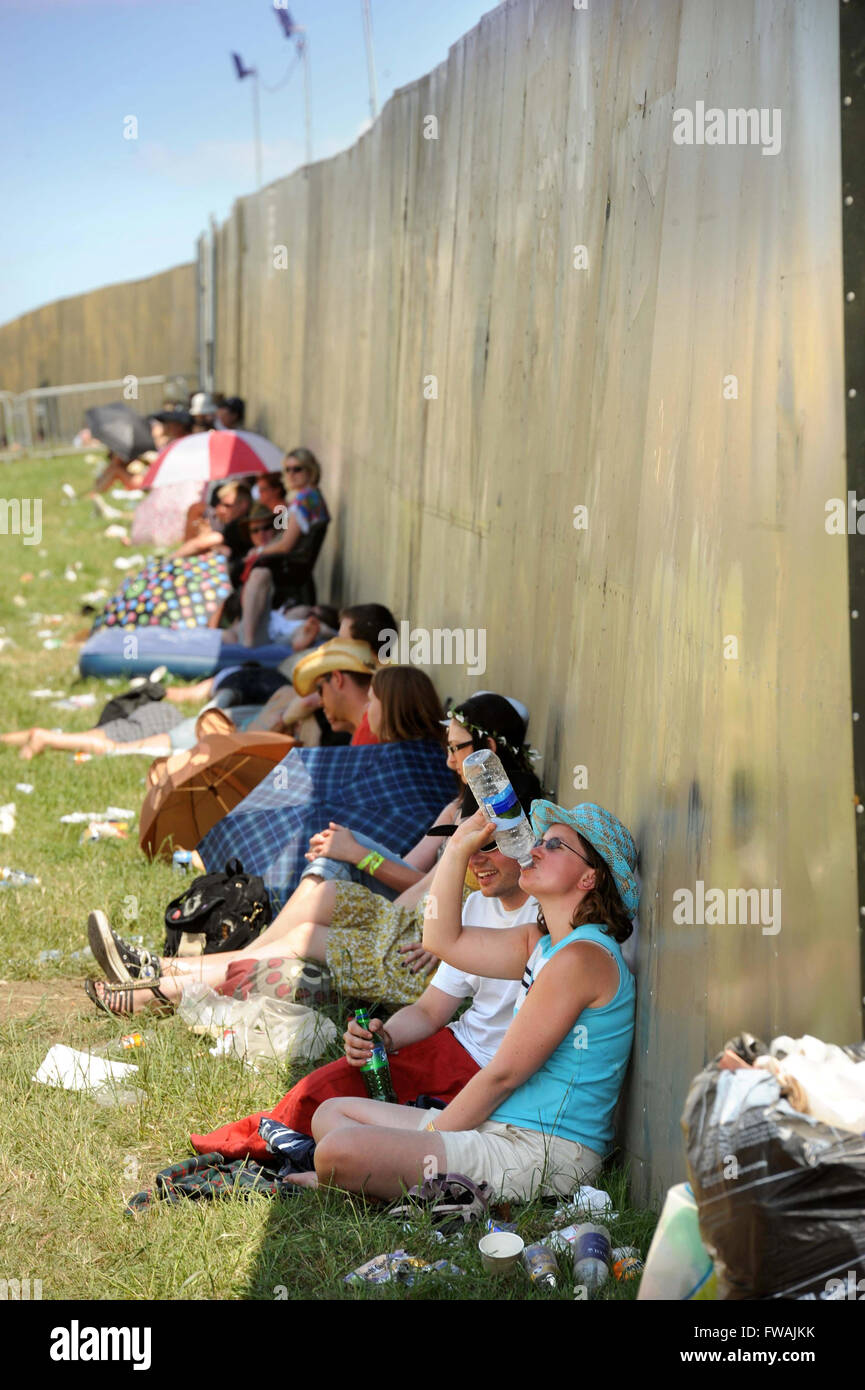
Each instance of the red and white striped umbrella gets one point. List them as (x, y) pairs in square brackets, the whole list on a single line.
[(213, 454)]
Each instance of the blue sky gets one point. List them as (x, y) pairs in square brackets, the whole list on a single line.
[(85, 207)]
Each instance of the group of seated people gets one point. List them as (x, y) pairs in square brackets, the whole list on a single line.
[(178, 417), (530, 1074)]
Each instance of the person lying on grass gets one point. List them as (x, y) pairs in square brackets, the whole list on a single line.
[(539, 1116)]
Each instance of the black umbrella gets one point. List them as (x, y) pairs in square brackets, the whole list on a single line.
[(119, 429)]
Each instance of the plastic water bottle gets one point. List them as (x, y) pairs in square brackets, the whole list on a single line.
[(495, 796), (181, 861), (14, 878), (592, 1254)]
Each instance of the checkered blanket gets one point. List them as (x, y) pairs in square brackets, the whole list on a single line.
[(389, 791)]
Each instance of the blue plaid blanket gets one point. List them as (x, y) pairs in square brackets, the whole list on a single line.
[(389, 791)]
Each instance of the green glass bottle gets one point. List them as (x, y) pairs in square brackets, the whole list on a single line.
[(376, 1072)]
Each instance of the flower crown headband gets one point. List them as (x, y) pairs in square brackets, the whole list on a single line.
[(530, 753)]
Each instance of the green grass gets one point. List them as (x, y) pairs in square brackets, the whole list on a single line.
[(68, 1163)]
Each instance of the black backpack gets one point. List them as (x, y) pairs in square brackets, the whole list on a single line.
[(218, 912)]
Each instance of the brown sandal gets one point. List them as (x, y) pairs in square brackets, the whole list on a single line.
[(116, 999)]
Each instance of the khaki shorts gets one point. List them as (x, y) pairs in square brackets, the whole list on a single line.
[(517, 1163)]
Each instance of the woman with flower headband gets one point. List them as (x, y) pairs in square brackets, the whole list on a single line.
[(538, 1118)]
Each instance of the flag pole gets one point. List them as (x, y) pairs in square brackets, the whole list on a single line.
[(256, 124), (307, 99), (370, 59)]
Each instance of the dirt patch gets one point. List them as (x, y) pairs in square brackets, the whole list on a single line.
[(57, 999)]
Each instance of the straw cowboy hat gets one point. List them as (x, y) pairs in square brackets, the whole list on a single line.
[(340, 654)]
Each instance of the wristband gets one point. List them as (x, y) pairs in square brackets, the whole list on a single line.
[(371, 862), (431, 1126)]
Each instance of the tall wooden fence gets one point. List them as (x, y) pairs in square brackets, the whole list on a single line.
[(518, 296), (577, 383), (141, 328)]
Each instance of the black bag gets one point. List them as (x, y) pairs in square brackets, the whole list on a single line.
[(781, 1196), (123, 705), (218, 912)]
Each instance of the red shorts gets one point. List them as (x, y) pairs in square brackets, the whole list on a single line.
[(437, 1066)]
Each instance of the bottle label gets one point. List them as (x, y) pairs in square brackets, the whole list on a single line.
[(591, 1245), (504, 809), (378, 1061)]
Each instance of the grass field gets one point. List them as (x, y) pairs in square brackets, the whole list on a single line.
[(68, 1163)]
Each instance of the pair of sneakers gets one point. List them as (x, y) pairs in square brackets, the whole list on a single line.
[(122, 962)]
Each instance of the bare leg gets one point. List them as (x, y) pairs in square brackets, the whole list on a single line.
[(92, 741), (16, 740), (196, 694), (256, 600), (364, 1145), (306, 941)]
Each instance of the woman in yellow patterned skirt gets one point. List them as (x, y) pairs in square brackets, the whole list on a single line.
[(373, 947)]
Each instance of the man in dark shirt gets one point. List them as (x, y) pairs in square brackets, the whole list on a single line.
[(229, 532)]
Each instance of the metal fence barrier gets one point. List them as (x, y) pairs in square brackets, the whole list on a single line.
[(49, 416)]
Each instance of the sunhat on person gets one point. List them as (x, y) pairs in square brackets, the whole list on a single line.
[(340, 654), (605, 833)]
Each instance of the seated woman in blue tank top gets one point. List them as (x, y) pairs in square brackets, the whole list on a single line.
[(539, 1117)]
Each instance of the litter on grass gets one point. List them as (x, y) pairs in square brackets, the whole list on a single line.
[(80, 1071), (25, 787), (397, 1266), (586, 1201), (110, 813), (15, 878), (76, 702), (256, 1028), (105, 830), (7, 818)]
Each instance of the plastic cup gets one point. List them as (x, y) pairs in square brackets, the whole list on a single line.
[(500, 1251)]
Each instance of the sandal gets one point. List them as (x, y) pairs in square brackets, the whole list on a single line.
[(116, 999), (121, 962), (451, 1201)]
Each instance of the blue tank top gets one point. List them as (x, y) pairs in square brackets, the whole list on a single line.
[(574, 1094)]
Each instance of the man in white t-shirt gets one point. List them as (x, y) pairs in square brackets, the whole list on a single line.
[(422, 1041), (429, 1055)]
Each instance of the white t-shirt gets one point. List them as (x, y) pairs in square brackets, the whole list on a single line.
[(481, 1028)]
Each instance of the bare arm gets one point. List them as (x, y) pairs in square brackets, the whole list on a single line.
[(287, 541), (575, 979), (501, 954), (423, 856), (412, 1024), (206, 540), (337, 842)]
